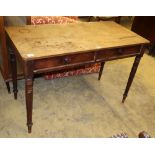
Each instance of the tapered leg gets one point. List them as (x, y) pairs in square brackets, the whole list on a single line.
[(101, 70), (29, 101), (131, 76), (29, 93), (8, 87), (14, 72)]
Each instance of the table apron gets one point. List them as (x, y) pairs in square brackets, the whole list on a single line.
[(117, 53), (63, 62)]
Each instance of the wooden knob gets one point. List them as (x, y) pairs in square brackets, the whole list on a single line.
[(120, 50), (67, 60)]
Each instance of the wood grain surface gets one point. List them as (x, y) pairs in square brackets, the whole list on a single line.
[(41, 41)]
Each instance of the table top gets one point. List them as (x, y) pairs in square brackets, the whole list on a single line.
[(39, 41)]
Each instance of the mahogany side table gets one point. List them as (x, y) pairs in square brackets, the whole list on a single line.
[(44, 48)]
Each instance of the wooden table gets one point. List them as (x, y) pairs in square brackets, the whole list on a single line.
[(44, 48)]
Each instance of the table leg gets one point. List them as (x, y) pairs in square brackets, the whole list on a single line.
[(101, 70), (131, 76), (29, 93), (14, 72), (8, 87)]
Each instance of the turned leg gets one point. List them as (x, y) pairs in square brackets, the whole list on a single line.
[(8, 87), (131, 76), (133, 72), (29, 94), (101, 70), (29, 101), (14, 72)]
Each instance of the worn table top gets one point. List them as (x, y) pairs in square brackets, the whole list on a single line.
[(49, 40)]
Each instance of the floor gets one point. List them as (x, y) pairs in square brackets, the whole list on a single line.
[(82, 106)]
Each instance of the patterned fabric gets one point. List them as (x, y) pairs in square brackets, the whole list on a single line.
[(35, 20), (87, 70)]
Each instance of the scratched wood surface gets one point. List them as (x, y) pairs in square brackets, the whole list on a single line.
[(50, 40)]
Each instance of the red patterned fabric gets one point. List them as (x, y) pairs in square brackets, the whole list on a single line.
[(35, 20), (86, 70)]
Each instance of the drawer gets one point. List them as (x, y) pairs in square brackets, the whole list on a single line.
[(111, 54), (60, 61)]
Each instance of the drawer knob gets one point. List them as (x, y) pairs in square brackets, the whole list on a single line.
[(120, 50), (67, 60)]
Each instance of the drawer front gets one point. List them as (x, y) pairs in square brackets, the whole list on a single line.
[(111, 54), (60, 61)]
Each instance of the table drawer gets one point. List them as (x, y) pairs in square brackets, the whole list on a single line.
[(64, 60), (111, 54)]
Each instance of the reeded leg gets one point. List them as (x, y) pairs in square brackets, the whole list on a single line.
[(29, 94), (101, 70), (29, 101), (131, 76), (8, 87), (14, 72)]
